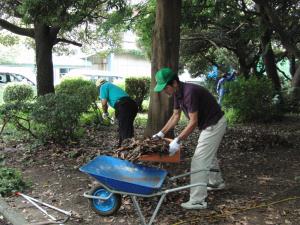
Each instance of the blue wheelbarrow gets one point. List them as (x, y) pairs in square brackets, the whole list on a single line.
[(119, 177)]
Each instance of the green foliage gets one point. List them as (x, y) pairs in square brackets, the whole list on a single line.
[(85, 91), (143, 25), (92, 23), (8, 40), (66, 13), (141, 120), (10, 181), (138, 89), (17, 93), (216, 33), (90, 119), (17, 107), (249, 100), (56, 116)]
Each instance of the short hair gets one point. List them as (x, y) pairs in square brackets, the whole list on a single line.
[(174, 78)]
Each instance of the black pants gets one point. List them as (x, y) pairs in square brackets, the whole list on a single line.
[(125, 110)]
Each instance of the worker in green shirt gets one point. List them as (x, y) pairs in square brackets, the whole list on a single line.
[(125, 107)]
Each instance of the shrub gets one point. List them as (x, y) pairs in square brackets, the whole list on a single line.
[(10, 181), (17, 107), (56, 116), (138, 89), (17, 93), (251, 100), (85, 91)]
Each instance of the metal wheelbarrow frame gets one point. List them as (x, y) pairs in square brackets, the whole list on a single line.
[(106, 200)]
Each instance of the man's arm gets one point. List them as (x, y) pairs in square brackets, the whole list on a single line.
[(193, 123), (104, 105), (172, 121)]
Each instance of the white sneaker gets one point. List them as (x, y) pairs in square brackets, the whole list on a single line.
[(194, 205), (220, 186)]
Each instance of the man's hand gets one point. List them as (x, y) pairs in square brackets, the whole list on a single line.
[(105, 115), (174, 146), (159, 135)]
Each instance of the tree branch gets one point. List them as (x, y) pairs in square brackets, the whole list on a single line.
[(283, 73), (17, 30), (67, 41)]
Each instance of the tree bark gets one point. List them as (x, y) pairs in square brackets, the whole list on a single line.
[(269, 60), (267, 53), (165, 53), (296, 84), (292, 60), (44, 44), (286, 40)]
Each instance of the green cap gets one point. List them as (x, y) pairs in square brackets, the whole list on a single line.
[(163, 76)]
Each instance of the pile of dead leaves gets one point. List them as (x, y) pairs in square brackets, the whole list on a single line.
[(132, 149)]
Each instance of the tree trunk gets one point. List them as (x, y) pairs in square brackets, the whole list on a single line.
[(269, 59), (296, 84), (292, 60), (44, 64), (165, 53), (244, 69)]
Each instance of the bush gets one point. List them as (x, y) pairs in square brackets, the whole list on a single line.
[(17, 107), (10, 181), (138, 89), (56, 116), (251, 100), (85, 91), (17, 93)]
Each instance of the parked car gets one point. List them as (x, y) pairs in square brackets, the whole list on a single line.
[(7, 77)]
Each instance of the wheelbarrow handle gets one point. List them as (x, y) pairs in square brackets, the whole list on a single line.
[(51, 222)]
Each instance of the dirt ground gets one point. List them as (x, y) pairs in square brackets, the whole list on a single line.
[(260, 164)]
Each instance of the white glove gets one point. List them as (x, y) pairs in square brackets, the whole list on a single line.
[(105, 116), (174, 146), (159, 135)]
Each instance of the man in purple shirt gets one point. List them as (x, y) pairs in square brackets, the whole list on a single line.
[(203, 111)]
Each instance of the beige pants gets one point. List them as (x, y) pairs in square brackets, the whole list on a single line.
[(205, 157)]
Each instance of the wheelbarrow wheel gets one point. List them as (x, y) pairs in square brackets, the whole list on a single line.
[(104, 207)]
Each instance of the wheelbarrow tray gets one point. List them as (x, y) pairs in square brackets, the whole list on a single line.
[(124, 176)]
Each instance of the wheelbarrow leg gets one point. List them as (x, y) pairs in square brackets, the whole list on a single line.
[(157, 208), (139, 211)]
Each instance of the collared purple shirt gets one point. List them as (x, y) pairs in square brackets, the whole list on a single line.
[(194, 98)]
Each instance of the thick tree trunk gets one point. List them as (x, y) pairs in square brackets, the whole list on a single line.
[(296, 84), (269, 59), (44, 45), (292, 65), (244, 69), (165, 53)]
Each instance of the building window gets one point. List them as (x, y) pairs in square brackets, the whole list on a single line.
[(63, 71)]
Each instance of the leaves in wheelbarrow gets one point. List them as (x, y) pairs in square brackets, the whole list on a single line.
[(132, 149)]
